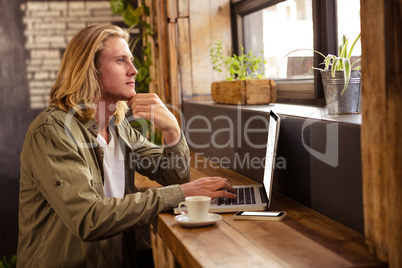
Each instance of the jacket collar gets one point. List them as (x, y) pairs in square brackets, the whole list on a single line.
[(91, 126)]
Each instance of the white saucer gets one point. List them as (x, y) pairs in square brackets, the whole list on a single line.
[(186, 221)]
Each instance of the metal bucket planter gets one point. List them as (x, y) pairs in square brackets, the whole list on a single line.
[(350, 101)]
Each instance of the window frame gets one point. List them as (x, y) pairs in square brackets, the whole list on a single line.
[(325, 33)]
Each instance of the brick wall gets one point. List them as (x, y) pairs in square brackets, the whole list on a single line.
[(49, 26)]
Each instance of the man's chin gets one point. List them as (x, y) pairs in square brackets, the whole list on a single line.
[(116, 97), (127, 98)]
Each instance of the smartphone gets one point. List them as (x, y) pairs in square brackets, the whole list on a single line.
[(261, 215)]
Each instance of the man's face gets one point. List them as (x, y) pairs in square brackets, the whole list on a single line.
[(117, 71)]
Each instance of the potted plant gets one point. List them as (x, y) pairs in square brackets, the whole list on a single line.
[(341, 80), (244, 83)]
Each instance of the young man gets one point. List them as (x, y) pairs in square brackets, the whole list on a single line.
[(77, 202)]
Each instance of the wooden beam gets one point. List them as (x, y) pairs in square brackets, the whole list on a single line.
[(200, 36), (220, 19), (163, 83), (393, 41), (175, 94), (184, 53), (183, 9), (381, 128), (171, 10), (153, 86), (209, 21), (373, 135)]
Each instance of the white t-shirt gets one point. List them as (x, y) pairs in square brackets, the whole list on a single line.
[(113, 166), (113, 169)]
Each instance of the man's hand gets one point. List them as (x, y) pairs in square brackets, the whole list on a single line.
[(149, 106), (213, 187)]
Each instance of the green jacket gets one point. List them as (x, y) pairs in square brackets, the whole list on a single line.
[(64, 218)]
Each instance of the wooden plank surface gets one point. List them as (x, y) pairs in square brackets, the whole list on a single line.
[(304, 239)]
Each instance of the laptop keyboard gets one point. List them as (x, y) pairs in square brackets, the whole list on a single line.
[(245, 195)]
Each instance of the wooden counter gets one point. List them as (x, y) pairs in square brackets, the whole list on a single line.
[(305, 238)]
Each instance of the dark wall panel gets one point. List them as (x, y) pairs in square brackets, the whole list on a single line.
[(15, 118), (318, 161)]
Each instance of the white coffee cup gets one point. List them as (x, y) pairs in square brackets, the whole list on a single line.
[(197, 207)]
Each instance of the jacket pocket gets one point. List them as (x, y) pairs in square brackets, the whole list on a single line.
[(96, 181)]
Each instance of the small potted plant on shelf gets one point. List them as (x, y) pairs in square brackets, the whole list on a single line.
[(341, 79), (244, 83)]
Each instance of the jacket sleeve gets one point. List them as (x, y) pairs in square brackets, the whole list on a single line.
[(68, 183), (166, 165)]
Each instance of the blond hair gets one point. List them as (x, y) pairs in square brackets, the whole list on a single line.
[(77, 83)]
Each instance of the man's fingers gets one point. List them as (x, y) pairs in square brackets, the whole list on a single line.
[(214, 187), (145, 99), (224, 194), (224, 184)]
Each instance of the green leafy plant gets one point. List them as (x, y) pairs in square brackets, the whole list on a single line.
[(342, 62), (245, 66), (12, 262)]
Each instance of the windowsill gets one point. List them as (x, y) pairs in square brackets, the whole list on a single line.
[(312, 112)]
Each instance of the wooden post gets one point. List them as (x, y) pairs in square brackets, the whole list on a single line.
[(183, 9), (184, 54), (171, 10), (153, 86), (163, 72), (200, 36), (175, 94), (381, 128), (209, 21), (393, 41)]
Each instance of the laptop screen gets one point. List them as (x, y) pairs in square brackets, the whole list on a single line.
[(272, 143)]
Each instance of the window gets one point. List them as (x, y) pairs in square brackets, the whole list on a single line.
[(279, 27), (349, 22)]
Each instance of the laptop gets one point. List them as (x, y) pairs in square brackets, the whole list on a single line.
[(254, 197)]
